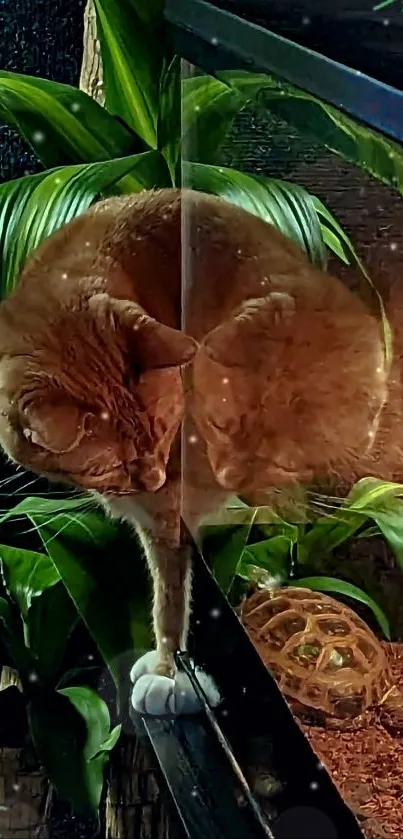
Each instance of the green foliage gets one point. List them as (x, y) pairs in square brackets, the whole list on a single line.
[(79, 544), (367, 148), (62, 194), (71, 732), (287, 206), (372, 507), (48, 590), (61, 123)]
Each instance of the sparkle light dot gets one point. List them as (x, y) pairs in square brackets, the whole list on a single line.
[(75, 106), (225, 381), (33, 677), (64, 276), (87, 244), (393, 246), (105, 415), (379, 370), (314, 785), (215, 613), (193, 439), (224, 400), (197, 108), (38, 137), (214, 41), (370, 433), (306, 20)]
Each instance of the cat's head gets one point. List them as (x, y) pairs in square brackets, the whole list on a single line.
[(96, 398), (285, 395)]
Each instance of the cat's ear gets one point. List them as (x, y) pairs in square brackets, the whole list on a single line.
[(152, 344), (54, 424), (232, 343)]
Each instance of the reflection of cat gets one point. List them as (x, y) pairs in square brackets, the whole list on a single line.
[(288, 381)]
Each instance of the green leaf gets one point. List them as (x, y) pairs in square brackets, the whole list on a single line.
[(332, 584), (95, 713), (49, 624), (208, 111), (169, 118), (369, 493), (111, 598), (390, 523), (61, 729), (149, 13), (227, 557), (332, 231), (270, 555), (27, 574), (62, 194), (370, 150), (61, 123), (11, 632), (328, 533), (109, 743), (287, 206), (132, 55)]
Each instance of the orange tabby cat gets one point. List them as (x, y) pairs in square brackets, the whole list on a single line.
[(288, 380)]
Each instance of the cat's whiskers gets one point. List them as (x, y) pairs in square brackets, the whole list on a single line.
[(11, 478)]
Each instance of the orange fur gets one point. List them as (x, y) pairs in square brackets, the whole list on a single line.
[(288, 379)]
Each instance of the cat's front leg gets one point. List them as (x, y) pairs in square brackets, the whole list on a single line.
[(158, 687)]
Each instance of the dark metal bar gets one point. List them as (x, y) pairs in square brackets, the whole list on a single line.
[(200, 782), (215, 39)]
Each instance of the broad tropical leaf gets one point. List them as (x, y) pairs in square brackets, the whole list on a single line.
[(328, 533), (34, 207), (96, 715), (333, 584), (27, 574), (209, 108), (370, 150), (61, 123), (33, 583), (169, 118), (272, 556), (132, 49), (110, 596), (226, 549), (287, 206), (68, 729)]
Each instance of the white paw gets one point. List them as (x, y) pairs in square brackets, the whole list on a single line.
[(160, 695)]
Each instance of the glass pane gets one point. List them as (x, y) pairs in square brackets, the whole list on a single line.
[(282, 305), (294, 401)]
